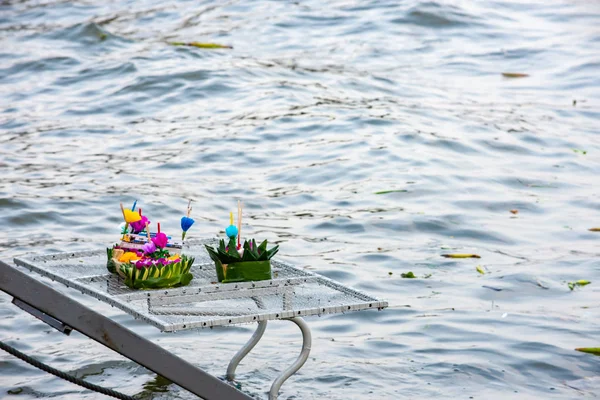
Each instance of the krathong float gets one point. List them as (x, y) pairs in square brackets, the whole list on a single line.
[(237, 262), (149, 260)]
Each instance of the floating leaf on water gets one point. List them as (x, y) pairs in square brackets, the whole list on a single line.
[(592, 350), (392, 191), (480, 270), (461, 255), (584, 152), (581, 282), (514, 75), (427, 276), (390, 273), (408, 275), (514, 211), (201, 45), (594, 229)]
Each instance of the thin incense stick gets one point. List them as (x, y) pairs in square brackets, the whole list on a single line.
[(125, 219), (239, 224)]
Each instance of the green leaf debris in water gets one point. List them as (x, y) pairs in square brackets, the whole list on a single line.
[(392, 191), (514, 75), (584, 152), (581, 282), (461, 255), (594, 229), (201, 45), (409, 274), (592, 350), (480, 270)]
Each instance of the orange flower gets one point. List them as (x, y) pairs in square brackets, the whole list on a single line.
[(128, 257)]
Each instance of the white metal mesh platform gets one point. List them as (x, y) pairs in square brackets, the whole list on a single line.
[(204, 302)]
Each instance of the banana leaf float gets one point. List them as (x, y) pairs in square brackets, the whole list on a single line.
[(253, 263)]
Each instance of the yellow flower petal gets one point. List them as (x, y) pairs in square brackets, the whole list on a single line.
[(131, 216), (128, 257)]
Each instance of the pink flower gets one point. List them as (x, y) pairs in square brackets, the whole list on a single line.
[(140, 225), (149, 247), (145, 263), (160, 240)]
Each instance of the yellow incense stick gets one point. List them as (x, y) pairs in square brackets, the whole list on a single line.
[(148, 232), (189, 208), (230, 218)]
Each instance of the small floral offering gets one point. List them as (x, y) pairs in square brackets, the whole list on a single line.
[(235, 262), (147, 260)]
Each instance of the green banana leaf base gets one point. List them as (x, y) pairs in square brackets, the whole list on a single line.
[(244, 271), (157, 277), (110, 264)]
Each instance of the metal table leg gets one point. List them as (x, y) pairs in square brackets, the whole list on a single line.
[(262, 325), (306, 343)]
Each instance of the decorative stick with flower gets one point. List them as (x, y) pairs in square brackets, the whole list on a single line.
[(129, 216), (149, 247), (139, 226), (186, 221), (160, 240)]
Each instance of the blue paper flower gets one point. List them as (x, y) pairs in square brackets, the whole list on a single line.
[(231, 231), (186, 223)]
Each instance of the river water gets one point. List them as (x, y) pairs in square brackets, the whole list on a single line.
[(319, 107)]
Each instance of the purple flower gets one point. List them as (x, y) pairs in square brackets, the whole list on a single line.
[(140, 225), (149, 248), (160, 240)]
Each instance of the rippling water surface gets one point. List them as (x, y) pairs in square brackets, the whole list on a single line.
[(319, 106)]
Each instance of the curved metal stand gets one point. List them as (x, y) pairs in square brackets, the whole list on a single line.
[(258, 334), (262, 325), (306, 343)]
